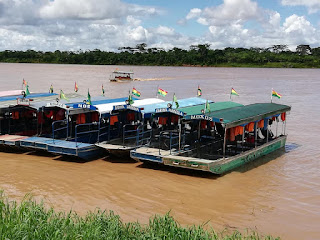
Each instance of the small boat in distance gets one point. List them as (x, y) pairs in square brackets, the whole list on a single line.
[(121, 76)]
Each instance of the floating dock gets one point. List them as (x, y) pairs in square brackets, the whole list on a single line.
[(61, 147)]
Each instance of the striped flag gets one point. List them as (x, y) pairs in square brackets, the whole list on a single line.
[(24, 82), (162, 92), (234, 92), (51, 89), (199, 91), (76, 87), (136, 92), (276, 94)]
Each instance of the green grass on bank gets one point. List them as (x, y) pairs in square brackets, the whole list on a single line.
[(32, 220)]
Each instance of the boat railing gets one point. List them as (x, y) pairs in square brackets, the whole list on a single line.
[(143, 136), (103, 131), (130, 135), (204, 149), (169, 140), (89, 132), (55, 131)]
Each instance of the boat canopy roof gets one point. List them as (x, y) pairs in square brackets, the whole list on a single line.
[(10, 93), (244, 114), (185, 102), (32, 95), (47, 97), (214, 106), (138, 105), (121, 72)]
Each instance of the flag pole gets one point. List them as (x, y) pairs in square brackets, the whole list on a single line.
[(231, 95), (157, 92), (271, 94)]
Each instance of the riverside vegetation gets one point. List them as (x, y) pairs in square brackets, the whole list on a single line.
[(32, 220), (197, 55)]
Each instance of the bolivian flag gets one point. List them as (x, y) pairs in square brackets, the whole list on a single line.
[(162, 92), (233, 92), (275, 94), (199, 91), (76, 87), (136, 92)]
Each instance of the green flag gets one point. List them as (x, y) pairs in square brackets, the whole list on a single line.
[(207, 107), (62, 96), (89, 98), (51, 89), (175, 100), (27, 90), (130, 99)]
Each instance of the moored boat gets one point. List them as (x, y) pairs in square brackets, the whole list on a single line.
[(223, 139)]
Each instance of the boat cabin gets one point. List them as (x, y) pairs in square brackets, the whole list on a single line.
[(121, 76)]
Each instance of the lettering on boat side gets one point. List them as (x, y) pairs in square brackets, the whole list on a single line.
[(174, 111), (23, 101), (121, 107), (56, 104), (83, 105), (201, 117)]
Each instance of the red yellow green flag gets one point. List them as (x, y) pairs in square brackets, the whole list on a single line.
[(76, 87), (234, 92), (199, 91), (162, 92), (275, 94), (136, 92), (24, 82)]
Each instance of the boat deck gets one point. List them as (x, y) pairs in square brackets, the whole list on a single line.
[(11, 140), (151, 154), (82, 150)]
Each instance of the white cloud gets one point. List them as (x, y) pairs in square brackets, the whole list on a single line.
[(193, 13), (228, 26), (312, 5)]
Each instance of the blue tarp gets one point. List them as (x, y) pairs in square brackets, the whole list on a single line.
[(32, 95)]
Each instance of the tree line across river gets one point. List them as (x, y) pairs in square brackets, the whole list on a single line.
[(197, 55)]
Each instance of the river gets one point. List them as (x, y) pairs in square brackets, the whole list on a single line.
[(277, 195)]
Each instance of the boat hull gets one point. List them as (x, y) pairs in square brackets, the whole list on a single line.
[(219, 166)]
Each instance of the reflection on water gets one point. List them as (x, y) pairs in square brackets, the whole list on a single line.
[(278, 194)]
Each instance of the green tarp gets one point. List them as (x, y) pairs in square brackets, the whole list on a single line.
[(195, 110), (245, 114)]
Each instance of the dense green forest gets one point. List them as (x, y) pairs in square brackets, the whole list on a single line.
[(196, 55)]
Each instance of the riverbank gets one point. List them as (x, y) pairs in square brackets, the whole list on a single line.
[(201, 56), (32, 220)]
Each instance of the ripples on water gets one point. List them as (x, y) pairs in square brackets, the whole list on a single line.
[(278, 194)]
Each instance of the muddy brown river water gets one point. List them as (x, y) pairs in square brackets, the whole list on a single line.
[(279, 194)]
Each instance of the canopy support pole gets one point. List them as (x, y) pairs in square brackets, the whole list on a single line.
[(242, 143), (268, 131), (285, 125), (224, 142), (255, 134)]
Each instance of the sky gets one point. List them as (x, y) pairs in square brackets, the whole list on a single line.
[(73, 25)]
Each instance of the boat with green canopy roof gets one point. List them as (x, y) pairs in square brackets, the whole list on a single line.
[(227, 136)]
